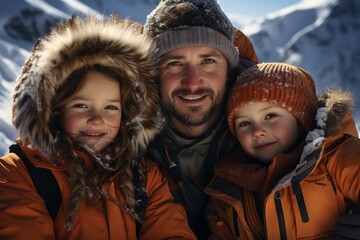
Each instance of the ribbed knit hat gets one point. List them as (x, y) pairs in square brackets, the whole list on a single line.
[(287, 86), (179, 23)]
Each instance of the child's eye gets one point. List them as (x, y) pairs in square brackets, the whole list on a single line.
[(244, 124), (112, 107), (270, 116), (79, 105)]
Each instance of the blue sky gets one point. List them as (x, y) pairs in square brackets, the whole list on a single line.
[(252, 9)]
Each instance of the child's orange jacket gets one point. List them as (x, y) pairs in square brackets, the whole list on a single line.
[(288, 200)]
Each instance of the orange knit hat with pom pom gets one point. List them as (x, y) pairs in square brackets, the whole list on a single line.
[(287, 86)]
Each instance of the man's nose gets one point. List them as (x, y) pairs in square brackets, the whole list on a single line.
[(192, 77)]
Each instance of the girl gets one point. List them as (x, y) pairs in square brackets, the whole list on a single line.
[(281, 185), (85, 107)]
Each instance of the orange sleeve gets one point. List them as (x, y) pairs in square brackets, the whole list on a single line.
[(164, 219), (346, 168), (348, 125), (23, 214), (246, 49)]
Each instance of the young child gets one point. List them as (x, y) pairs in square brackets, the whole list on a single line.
[(85, 107), (299, 164)]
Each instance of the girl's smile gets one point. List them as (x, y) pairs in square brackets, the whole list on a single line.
[(93, 117)]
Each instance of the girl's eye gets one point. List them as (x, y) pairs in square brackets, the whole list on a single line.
[(112, 108), (79, 105), (270, 116)]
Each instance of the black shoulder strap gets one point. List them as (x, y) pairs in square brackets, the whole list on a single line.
[(44, 181)]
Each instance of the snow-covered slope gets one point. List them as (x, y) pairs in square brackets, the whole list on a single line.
[(321, 36)]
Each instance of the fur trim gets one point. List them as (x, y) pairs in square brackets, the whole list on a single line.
[(334, 104), (339, 103), (72, 45)]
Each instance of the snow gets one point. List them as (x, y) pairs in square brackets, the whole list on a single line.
[(47, 8), (319, 36)]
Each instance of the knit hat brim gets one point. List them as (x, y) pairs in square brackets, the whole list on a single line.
[(196, 36), (281, 84)]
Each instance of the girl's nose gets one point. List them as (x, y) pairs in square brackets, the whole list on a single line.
[(95, 118)]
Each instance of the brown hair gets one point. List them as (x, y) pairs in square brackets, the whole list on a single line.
[(85, 185)]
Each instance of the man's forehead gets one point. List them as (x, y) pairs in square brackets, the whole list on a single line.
[(200, 51)]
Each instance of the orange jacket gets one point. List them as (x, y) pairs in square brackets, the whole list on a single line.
[(287, 200), (23, 214)]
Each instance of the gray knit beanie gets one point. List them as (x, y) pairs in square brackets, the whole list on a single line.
[(179, 23)]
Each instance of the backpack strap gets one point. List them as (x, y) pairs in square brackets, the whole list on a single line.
[(44, 181)]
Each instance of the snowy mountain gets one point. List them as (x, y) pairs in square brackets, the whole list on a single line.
[(320, 36)]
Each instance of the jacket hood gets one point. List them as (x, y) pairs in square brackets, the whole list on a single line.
[(332, 118), (338, 105), (332, 121), (75, 44)]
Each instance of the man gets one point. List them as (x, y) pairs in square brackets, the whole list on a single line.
[(198, 64)]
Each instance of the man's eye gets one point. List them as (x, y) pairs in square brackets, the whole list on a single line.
[(208, 60), (174, 63)]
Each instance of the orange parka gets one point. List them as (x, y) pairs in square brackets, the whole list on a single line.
[(23, 214), (290, 199)]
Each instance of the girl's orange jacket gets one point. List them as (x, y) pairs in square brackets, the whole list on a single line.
[(23, 214)]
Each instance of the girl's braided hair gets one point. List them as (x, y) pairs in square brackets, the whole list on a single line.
[(116, 158)]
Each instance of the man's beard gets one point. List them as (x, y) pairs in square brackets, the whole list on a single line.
[(217, 104)]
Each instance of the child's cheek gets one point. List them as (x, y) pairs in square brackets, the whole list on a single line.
[(73, 121)]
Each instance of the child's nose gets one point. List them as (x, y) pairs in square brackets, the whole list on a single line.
[(96, 118), (258, 131)]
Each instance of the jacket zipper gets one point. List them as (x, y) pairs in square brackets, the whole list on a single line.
[(173, 168), (219, 145), (280, 215), (168, 159), (300, 200)]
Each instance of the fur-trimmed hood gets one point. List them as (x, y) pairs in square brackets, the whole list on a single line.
[(75, 44), (332, 121), (333, 107), (338, 104)]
